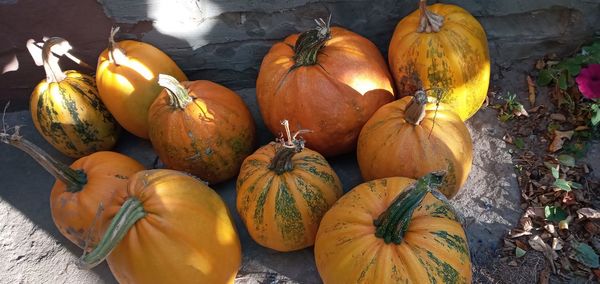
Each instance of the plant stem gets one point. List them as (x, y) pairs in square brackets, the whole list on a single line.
[(131, 211), (53, 72), (282, 161), (116, 54), (178, 94), (310, 42), (75, 180), (393, 223), (415, 110), (429, 21)]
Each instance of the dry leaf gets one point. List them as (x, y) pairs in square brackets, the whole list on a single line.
[(535, 109), (507, 138), (563, 225), (531, 88), (538, 244), (588, 213), (520, 110), (513, 263), (592, 228), (521, 244), (569, 198), (558, 116), (557, 142), (544, 276), (550, 228), (581, 128), (526, 224), (515, 233), (540, 64), (596, 272), (557, 244)]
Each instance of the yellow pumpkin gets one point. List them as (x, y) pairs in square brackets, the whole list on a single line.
[(393, 230), (127, 79), (445, 47)]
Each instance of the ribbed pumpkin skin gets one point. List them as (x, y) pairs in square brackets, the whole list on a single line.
[(434, 249), (186, 236), (71, 117), (129, 89), (455, 59), (210, 138), (74, 213), (334, 98), (282, 212), (388, 146)]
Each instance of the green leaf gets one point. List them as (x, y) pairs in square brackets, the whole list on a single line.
[(554, 171), (519, 143), (519, 252), (566, 160), (562, 81), (575, 185), (544, 78), (596, 114), (573, 69), (554, 213), (586, 255), (562, 184)]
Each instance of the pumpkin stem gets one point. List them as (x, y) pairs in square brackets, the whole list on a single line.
[(116, 54), (393, 223), (73, 179), (282, 161), (131, 211), (53, 72), (429, 21), (310, 42), (178, 94), (415, 110)]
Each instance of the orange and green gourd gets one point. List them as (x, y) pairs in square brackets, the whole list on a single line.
[(200, 127), (170, 228), (393, 230), (127, 79), (66, 110), (283, 190), (444, 47), (411, 137)]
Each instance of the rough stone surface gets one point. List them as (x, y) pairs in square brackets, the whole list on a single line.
[(225, 41), (33, 247)]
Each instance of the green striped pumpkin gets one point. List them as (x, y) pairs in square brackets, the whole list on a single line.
[(393, 230), (282, 193), (67, 111)]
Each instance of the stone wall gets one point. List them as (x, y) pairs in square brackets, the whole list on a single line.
[(225, 40)]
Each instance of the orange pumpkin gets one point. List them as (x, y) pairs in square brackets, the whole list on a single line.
[(442, 46), (170, 228), (283, 190), (127, 76), (393, 230), (411, 137), (201, 127), (328, 80), (81, 198), (66, 110)]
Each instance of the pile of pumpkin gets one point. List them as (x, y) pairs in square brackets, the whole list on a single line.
[(333, 86)]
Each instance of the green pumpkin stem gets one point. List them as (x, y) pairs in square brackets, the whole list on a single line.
[(429, 21), (393, 223), (53, 72), (116, 54), (310, 42), (131, 211), (282, 161), (73, 179), (415, 110), (179, 96)]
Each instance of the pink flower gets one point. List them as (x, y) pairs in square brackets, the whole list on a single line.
[(588, 81)]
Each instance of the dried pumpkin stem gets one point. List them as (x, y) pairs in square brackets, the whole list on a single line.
[(415, 110), (131, 211), (310, 42), (53, 72), (393, 223), (116, 54), (179, 96), (429, 21), (73, 179), (285, 150)]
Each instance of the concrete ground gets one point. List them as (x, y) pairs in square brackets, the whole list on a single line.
[(33, 251)]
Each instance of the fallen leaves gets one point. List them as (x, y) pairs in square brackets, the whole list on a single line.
[(558, 140)]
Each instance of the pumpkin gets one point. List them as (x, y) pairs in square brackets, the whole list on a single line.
[(83, 192), (170, 228), (393, 230), (283, 190), (328, 80), (411, 137), (445, 47), (126, 76), (66, 109), (200, 127)]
